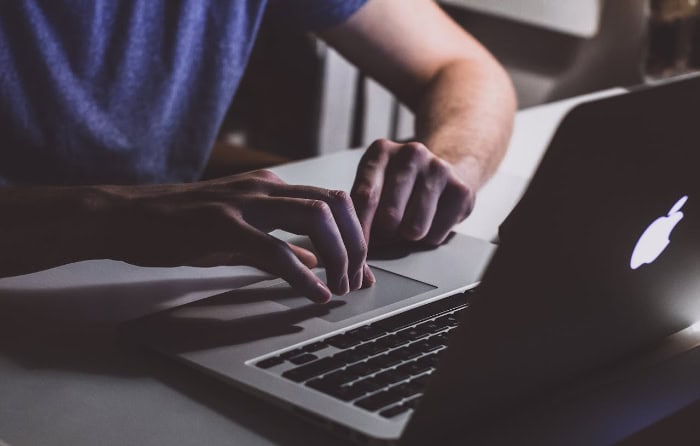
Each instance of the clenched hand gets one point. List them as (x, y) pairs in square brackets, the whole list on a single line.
[(405, 192)]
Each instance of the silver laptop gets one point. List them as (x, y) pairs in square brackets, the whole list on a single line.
[(587, 273)]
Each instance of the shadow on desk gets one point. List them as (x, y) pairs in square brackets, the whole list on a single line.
[(74, 330)]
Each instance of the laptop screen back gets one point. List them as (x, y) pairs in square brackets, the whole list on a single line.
[(572, 288)]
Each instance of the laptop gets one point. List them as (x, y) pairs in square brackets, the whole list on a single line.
[(597, 263)]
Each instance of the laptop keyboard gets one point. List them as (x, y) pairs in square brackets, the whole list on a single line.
[(382, 367)]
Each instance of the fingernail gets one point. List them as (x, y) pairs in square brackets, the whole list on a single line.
[(357, 280), (324, 294), (369, 275), (344, 285)]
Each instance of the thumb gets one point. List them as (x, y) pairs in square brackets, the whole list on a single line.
[(306, 257)]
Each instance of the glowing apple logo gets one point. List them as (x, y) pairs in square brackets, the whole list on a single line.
[(656, 237)]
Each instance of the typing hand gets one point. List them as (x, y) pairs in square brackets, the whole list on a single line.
[(226, 222), (403, 192)]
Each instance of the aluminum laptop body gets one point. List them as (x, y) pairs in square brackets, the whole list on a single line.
[(228, 335), (598, 263), (559, 299)]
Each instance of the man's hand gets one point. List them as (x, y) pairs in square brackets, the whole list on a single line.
[(218, 222), (405, 192), (463, 103), (226, 222)]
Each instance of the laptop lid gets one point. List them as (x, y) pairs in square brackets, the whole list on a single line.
[(584, 275)]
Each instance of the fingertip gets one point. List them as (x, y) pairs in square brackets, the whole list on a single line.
[(369, 278), (344, 285), (322, 294), (413, 232), (357, 280)]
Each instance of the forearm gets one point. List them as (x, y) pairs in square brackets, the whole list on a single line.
[(44, 227), (465, 116)]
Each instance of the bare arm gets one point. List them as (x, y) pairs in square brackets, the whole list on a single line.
[(464, 104), (218, 222)]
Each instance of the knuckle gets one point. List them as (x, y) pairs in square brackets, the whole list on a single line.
[(390, 216), (217, 212), (366, 196), (267, 175), (358, 250), (413, 150), (465, 196), (460, 189), (340, 197), (381, 145), (439, 168), (320, 209), (250, 184), (377, 149)]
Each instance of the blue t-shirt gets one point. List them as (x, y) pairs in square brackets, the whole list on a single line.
[(126, 91)]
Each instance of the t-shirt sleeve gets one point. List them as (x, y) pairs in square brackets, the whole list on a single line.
[(313, 15)]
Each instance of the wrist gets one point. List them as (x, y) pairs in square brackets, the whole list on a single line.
[(101, 219)]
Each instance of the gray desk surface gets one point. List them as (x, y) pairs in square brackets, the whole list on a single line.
[(66, 380)]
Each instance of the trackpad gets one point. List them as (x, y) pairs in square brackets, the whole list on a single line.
[(390, 288)]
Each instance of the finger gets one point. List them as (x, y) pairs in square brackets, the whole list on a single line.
[(421, 207), (369, 180), (348, 223), (454, 205), (315, 219), (274, 256), (369, 278), (304, 255), (399, 180)]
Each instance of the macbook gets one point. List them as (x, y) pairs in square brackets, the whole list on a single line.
[(597, 263)]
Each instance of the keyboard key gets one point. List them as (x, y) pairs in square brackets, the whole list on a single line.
[(379, 400), (392, 376), (459, 314), (430, 360), (349, 356), (384, 361), (370, 384), (404, 353), (414, 368), (422, 380), (420, 346), (348, 393), (394, 410), (291, 353), (303, 358), (321, 384), (313, 369), (362, 368), (366, 333), (316, 346), (435, 343), (270, 362), (429, 327), (413, 402), (408, 389), (390, 341), (442, 322), (343, 341), (411, 334), (341, 392), (341, 376), (370, 349), (421, 313)]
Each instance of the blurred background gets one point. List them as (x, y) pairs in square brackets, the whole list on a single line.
[(299, 98)]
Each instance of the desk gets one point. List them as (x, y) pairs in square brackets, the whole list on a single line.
[(65, 380)]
